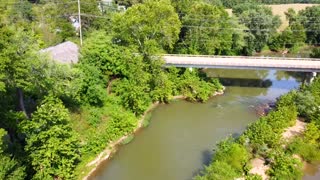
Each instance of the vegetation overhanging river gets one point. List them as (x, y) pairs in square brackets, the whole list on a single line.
[(181, 135)]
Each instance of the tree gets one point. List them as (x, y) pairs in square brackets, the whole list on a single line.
[(19, 58), (134, 96), (311, 22), (208, 29), (9, 168), (148, 25), (260, 21), (111, 59), (315, 53), (52, 145)]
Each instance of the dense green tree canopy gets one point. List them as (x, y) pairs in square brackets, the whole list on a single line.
[(311, 22), (208, 29), (135, 26), (260, 22), (51, 143), (9, 168)]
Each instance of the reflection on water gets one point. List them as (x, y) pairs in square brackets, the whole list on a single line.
[(181, 135)]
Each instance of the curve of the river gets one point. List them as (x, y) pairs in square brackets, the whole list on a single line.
[(181, 135)]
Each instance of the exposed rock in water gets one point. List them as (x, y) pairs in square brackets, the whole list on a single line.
[(264, 109)]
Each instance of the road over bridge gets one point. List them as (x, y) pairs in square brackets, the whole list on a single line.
[(243, 62)]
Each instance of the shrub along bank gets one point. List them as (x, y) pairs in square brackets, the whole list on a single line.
[(263, 139)]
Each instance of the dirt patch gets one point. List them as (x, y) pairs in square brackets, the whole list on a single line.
[(295, 130), (259, 168)]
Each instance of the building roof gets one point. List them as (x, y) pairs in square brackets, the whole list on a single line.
[(67, 52)]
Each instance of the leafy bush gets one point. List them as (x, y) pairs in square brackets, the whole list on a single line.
[(253, 177), (312, 133), (284, 166), (309, 152), (314, 88), (260, 134), (287, 99), (315, 53), (95, 116), (218, 170), (306, 104), (233, 154), (195, 88)]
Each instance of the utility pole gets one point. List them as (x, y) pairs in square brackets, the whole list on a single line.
[(79, 16)]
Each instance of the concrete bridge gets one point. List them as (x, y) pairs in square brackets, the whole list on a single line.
[(243, 62)]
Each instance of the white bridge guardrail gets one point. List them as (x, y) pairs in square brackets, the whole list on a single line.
[(243, 57)]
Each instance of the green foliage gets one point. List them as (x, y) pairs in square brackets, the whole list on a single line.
[(282, 118), (228, 162), (92, 85), (95, 116), (291, 38), (109, 58), (314, 88), (233, 154), (52, 145), (9, 167), (260, 22), (287, 99), (308, 151), (311, 22), (266, 132), (137, 28), (261, 134), (315, 53), (218, 170), (284, 166), (194, 88), (208, 29), (312, 133), (114, 123), (134, 97), (253, 177), (306, 104)]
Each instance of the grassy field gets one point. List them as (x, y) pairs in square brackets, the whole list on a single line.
[(280, 9)]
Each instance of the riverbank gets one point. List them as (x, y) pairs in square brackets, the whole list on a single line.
[(113, 146), (277, 145), (259, 164)]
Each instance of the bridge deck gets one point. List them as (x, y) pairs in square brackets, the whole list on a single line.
[(242, 62)]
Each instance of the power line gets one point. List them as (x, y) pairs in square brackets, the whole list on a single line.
[(243, 29)]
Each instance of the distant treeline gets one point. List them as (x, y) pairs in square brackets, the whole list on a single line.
[(232, 3)]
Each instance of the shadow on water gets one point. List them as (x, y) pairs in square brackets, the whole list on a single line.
[(240, 82), (206, 159), (207, 156)]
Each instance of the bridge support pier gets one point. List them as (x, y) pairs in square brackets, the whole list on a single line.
[(313, 76)]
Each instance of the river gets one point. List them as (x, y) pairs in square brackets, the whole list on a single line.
[(180, 138)]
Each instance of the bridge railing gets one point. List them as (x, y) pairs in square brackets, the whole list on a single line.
[(244, 57)]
